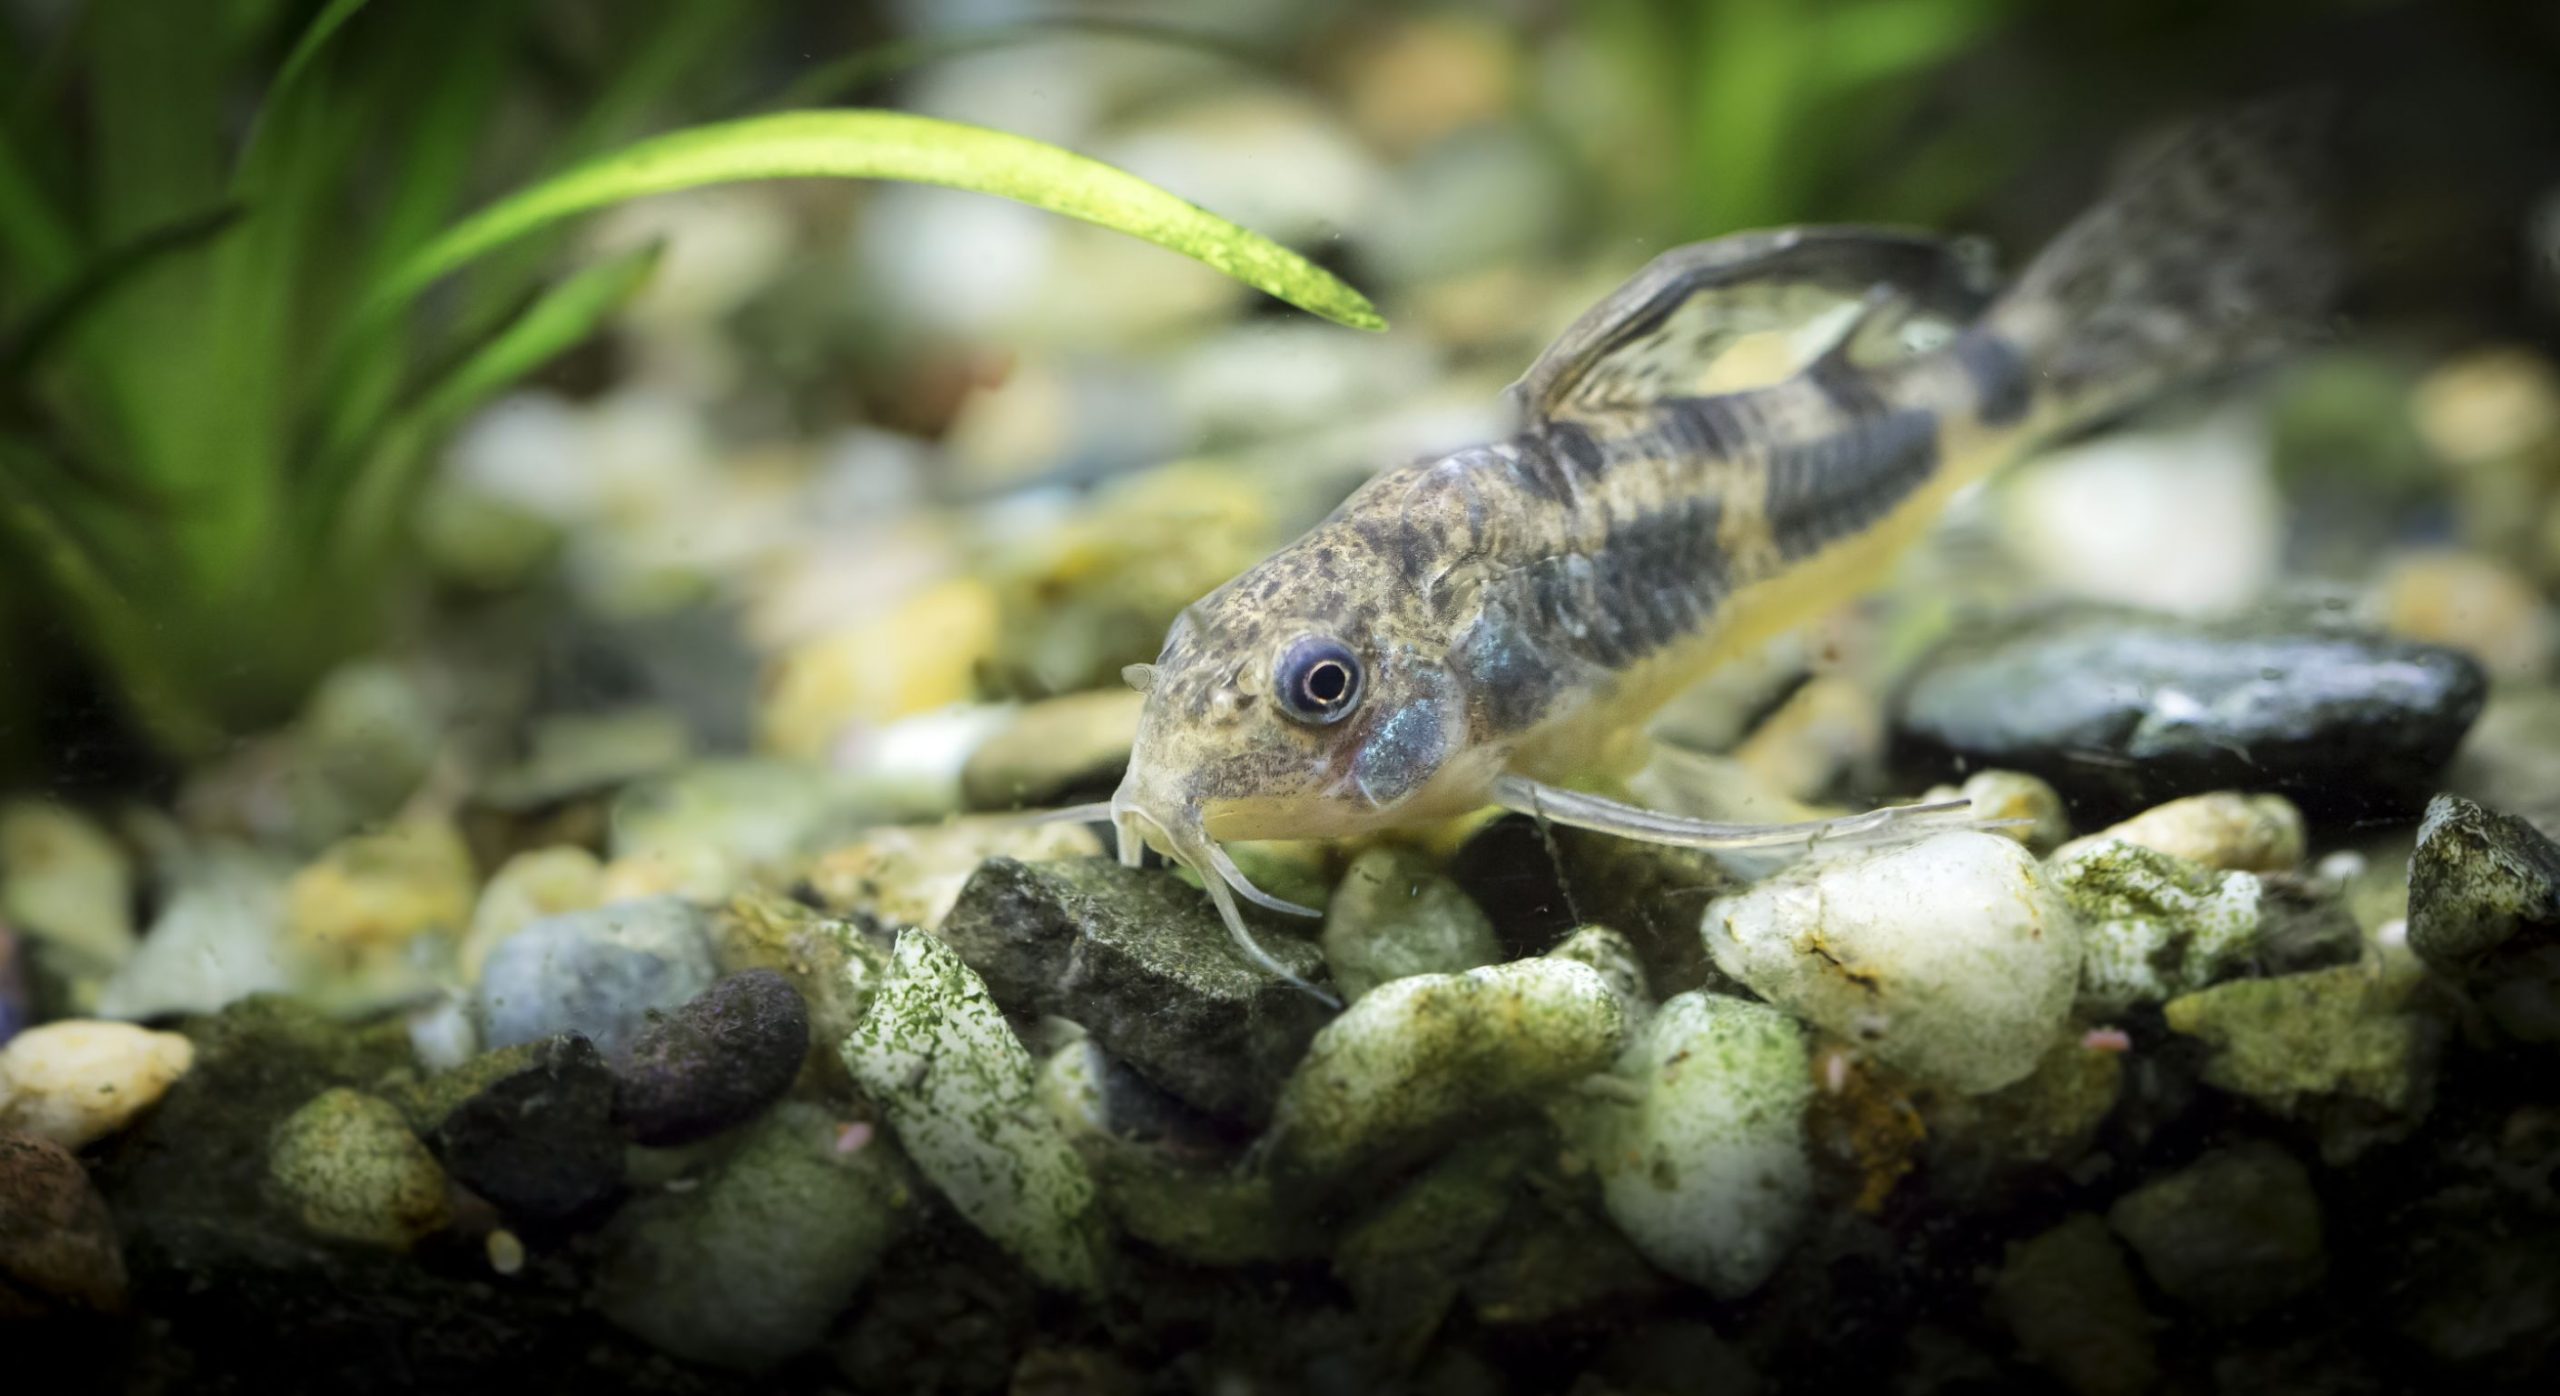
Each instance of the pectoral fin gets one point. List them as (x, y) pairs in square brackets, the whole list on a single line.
[(1891, 824)]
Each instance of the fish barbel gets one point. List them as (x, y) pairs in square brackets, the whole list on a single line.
[(1478, 629)]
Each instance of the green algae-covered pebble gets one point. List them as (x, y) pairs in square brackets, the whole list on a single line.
[(1418, 1055), (750, 1265), (1395, 915), (2340, 1047), (348, 1168), (2154, 925), (958, 1087), (1615, 957), (1706, 1171)]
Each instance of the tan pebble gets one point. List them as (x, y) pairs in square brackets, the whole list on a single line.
[(65, 883), (1052, 747), (348, 1167), (2030, 810), (697, 874), (380, 891), (1421, 78), (911, 875), (1822, 729), (80, 1080), (506, 1252), (2488, 403), (2474, 604), (918, 657), (2225, 830)]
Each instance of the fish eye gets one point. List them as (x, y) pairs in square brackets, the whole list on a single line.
[(1317, 680)]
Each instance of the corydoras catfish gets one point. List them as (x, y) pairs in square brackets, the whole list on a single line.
[(1480, 628)]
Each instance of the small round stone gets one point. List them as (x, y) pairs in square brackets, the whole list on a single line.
[(714, 1063), (349, 1169), (80, 1080), (57, 1243), (1952, 958), (505, 1251)]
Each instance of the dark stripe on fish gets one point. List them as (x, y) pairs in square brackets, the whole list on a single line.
[(1826, 489), (1653, 581), (1704, 428)]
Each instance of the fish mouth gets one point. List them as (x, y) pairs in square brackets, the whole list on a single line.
[(1183, 839)]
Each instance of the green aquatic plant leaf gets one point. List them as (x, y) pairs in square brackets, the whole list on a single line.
[(558, 320), (36, 239), (887, 145), (306, 51), (43, 533), (52, 319)]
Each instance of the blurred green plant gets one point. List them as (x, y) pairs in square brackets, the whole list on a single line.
[(1776, 111), (229, 347)]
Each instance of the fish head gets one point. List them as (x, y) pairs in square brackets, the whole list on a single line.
[(1285, 721)]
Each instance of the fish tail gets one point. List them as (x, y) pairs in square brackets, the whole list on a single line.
[(2212, 253)]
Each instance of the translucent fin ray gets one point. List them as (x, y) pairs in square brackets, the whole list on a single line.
[(1575, 809)]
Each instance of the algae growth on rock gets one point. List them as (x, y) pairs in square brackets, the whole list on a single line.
[(628, 954)]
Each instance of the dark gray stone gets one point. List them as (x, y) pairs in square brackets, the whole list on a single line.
[(2231, 1235), (714, 1063), (536, 1137), (1142, 961), (2121, 710), (2303, 924), (2484, 911)]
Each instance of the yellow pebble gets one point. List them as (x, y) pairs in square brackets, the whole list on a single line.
[(80, 1080)]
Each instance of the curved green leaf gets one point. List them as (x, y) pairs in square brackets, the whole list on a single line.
[(314, 38), (50, 320), (888, 145)]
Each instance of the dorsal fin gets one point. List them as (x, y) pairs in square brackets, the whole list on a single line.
[(1674, 328)]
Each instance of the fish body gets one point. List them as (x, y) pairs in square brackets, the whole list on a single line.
[(1482, 627)]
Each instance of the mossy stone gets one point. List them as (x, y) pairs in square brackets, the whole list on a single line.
[(2070, 1300), (1405, 1066), (2342, 1048), (750, 1263), (2484, 911), (348, 1168), (960, 1091), (2231, 1235), (1394, 915)]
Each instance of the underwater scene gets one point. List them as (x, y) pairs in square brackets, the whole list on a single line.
[(1429, 697)]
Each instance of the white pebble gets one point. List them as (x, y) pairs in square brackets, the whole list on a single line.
[(214, 943), (1951, 958), (80, 1080), (1706, 1171)]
